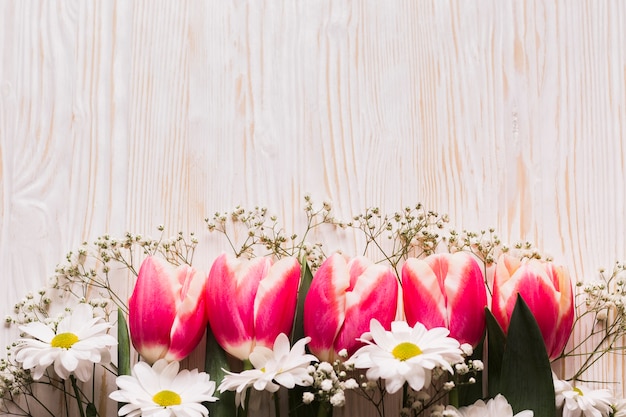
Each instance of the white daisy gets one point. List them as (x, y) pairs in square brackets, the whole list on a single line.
[(161, 391), (406, 354), (272, 368), (619, 408), (582, 401), (496, 407), (79, 341)]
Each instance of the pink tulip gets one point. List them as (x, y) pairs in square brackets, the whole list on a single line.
[(446, 290), (166, 310), (546, 289), (343, 298), (251, 301)]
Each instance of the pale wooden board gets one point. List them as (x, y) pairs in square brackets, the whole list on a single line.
[(119, 116)]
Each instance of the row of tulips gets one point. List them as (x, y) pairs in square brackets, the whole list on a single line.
[(248, 303)]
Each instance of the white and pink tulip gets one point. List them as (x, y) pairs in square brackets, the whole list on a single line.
[(167, 315), (446, 290), (343, 298), (251, 301), (545, 288)]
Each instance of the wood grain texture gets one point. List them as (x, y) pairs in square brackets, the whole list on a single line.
[(119, 116)]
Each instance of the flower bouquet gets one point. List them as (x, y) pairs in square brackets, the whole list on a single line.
[(427, 321)]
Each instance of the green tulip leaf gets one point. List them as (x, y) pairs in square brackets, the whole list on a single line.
[(526, 376), (296, 407), (215, 363), (495, 350), (306, 277), (123, 345)]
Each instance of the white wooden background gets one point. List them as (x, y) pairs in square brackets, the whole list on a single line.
[(122, 115)]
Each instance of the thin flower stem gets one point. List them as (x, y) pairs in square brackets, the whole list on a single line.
[(38, 401), (324, 411), (77, 392), (453, 397), (276, 404)]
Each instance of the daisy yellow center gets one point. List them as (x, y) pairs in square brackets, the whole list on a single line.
[(166, 398), (64, 340), (577, 391), (406, 350)]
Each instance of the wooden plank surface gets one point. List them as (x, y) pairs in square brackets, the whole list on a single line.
[(118, 116)]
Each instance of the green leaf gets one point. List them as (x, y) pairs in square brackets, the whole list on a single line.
[(123, 345), (495, 351), (526, 377), (296, 407), (215, 361), (91, 410), (306, 277)]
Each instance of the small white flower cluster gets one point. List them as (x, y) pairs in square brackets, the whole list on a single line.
[(13, 378), (466, 371), (261, 233), (416, 402), (606, 298), (329, 383), (31, 308)]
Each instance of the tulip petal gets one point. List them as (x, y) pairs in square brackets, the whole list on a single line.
[(275, 302), (422, 291), (152, 308), (503, 289), (373, 295), (466, 297), (531, 281), (446, 290), (231, 289), (190, 323), (565, 320), (324, 306)]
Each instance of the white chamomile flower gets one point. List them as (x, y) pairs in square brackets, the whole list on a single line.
[(160, 390), (619, 408), (79, 341), (496, 407), (406, 354), (272, 368), (582, 401)]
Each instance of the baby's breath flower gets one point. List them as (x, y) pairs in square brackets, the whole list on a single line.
[(338, 399), (467, 349), (326, 385), (477, 364), (308, 397)]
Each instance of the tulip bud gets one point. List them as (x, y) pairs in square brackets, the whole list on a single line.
[(545, 288), (251, 301), (342, 300), (446, 290), (166, 310)]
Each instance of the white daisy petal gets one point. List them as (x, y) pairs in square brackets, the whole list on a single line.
[(406, 354), (169, 397), (496, 407), (39, 331), (74, 348), (281, 366), (582, 401)]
